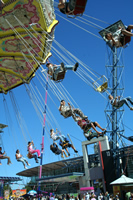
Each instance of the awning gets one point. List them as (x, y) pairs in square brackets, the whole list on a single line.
[(69, 177)]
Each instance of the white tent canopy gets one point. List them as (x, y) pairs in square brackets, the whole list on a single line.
[(122, 180)]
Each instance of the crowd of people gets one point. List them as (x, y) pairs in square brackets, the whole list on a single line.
[(89, 196)]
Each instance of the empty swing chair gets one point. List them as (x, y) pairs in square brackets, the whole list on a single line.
[(115, 30), (101, 88)]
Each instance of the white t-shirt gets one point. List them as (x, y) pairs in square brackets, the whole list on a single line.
[(54, 136), (65, 110)]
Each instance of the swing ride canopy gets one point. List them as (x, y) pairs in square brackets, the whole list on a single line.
[(26, 32), (54, 166)]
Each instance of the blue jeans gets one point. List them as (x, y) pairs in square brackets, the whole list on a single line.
[(35, 157), (124, 101), (57, 70), (22, 159), (60, 137)]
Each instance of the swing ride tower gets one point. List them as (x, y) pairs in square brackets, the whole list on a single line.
[(114, 71)]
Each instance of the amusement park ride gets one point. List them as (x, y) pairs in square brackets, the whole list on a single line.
[(21, 58)]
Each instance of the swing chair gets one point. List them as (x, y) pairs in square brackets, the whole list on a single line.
[(90, 135), (78, 8), (2, 126), (112, 29), (29, 155), (101, 88), (61, 76)]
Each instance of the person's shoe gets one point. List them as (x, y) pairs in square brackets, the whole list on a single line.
[(37, 161), (62, 67), (25, 167), (88, 138), (75, 67), (103, 133), (68, 154), (39, 157), (76, 151), (131, 108), (28, 164)]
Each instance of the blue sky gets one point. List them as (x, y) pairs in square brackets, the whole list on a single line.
[(91, 50)]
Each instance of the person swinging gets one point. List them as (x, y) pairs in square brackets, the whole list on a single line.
[(118, 39), (32, 150), (55, 70), (118, 102), (86, 125), (55, 149), (68, 111), (65, 144), (20, 158)]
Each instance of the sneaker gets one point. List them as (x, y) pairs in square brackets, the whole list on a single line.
[(75, 67), (68, 154), (25, 167), (131, 108), (39, 157), (103, 133), (28, 164), (76, 151), (37, 161), (62, 67)]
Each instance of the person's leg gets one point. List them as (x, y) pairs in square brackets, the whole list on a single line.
[(36, 151), (67, 151), (25, 160), (21, 160), (69, 67), (64, 153), (127, 33), (35, 157), (73, 148), (124, 101), (92, 125), (60, 137), (130, 100), (96, 124), (6, 157), (80, 113), (130, 27), (74, 116)]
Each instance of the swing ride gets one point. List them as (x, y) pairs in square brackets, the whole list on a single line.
[(25, 26), (27, 43), (113, 29)]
